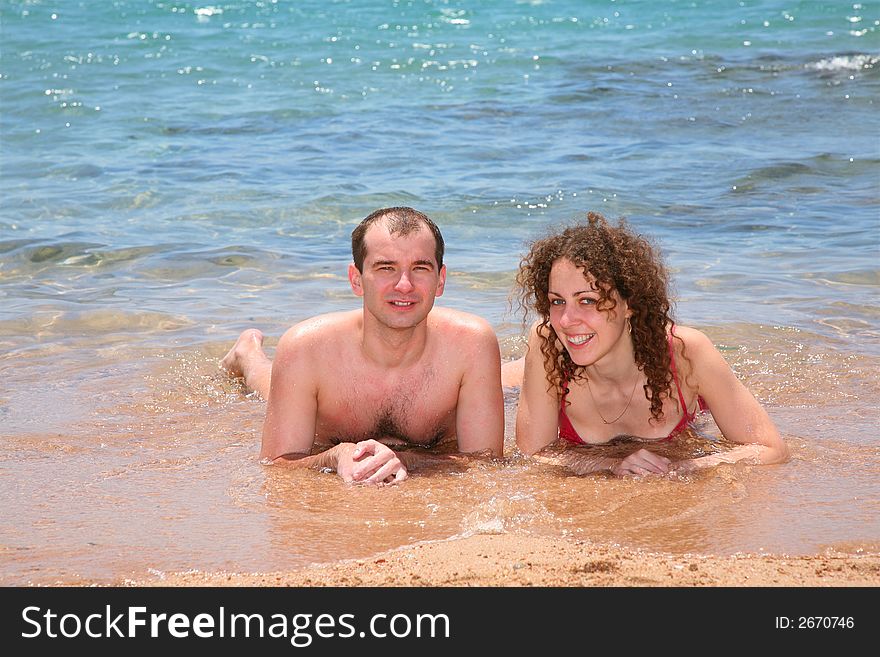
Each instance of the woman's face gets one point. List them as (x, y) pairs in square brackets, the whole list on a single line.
[(588, 333)]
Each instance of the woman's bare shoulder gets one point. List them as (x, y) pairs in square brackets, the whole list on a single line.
[(693, 339)]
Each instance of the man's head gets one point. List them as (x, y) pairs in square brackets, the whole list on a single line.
[(398, 266), (400, 222)]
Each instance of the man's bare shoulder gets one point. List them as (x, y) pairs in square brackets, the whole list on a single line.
[(320, 332), (447, 319), (464, 338)]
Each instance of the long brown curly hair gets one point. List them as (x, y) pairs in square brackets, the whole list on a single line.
[(622, 261)]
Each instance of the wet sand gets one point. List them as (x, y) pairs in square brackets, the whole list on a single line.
[(507, 560)]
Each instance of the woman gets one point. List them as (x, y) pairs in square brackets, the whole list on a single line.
[(605, 359)]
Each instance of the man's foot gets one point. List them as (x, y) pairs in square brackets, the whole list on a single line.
[(248, 345)]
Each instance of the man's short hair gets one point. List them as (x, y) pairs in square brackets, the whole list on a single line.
[(400, 221)]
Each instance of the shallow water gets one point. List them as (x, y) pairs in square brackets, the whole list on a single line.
[(153, 468), (171, 174)]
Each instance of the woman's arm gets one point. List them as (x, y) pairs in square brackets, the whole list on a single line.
[(582, 461), (537, 416), (739, 416)]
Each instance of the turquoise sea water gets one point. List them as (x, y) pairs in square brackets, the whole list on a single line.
[(173, 172)]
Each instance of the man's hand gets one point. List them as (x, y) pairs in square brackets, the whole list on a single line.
[(642, 463), (369, 462)]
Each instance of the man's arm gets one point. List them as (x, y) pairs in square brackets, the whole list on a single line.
[(480, 413), (291, 418), (291, 410)]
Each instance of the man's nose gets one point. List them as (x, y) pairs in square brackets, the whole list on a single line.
[(404, 284)]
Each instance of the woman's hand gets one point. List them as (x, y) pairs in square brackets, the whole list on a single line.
[(642, 463)]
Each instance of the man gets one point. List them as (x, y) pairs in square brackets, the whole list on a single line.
[(396, 373)]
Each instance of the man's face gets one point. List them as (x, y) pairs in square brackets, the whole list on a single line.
[(400, 278)]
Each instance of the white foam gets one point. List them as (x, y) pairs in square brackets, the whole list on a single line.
[(845, 63), (207, 12)]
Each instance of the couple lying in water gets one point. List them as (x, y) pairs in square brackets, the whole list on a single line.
[(604, 360)]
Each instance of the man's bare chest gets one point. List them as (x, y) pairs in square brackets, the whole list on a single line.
[(414, 410)]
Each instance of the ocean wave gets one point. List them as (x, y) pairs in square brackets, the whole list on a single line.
[(850, 62)]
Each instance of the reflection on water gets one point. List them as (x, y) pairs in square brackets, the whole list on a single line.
[(124, 460)]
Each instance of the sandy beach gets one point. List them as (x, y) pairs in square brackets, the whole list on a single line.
[(506, 560)]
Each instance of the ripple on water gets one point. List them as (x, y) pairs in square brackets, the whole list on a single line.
[(97, 322)]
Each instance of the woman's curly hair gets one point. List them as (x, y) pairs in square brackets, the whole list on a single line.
[(619, 260)]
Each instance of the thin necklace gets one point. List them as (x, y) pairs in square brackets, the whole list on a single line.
[(624, 408)]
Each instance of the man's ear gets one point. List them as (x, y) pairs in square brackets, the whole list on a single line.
[(442, 284), (354, 277)]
